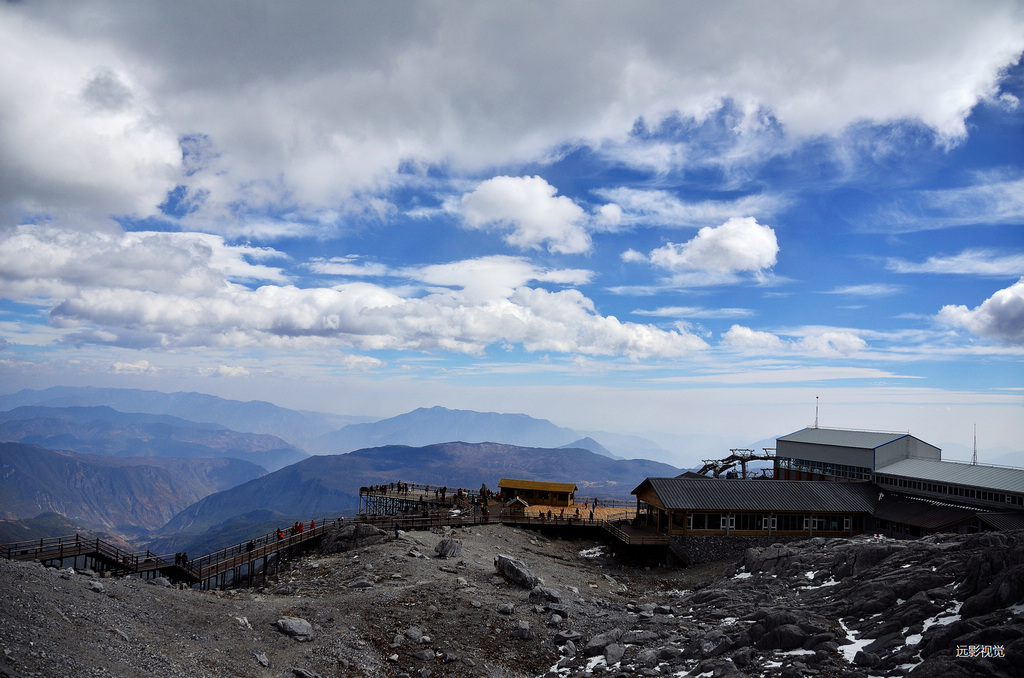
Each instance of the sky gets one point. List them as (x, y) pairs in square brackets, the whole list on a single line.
[(707, 224)]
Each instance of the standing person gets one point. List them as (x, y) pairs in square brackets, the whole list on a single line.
[(312, 526), (396, 529)]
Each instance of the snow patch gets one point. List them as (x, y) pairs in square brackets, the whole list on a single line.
[(850, 651)]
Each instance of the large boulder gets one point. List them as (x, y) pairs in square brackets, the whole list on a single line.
[(352, 536), (297, 628), (515, 571), (449, 547)]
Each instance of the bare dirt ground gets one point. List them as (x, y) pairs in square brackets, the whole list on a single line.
[(389, 609)]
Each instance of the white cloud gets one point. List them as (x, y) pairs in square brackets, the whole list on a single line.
[(231, 371), (745, 338), (184, 289), (716, 254), (831, 343), (493, 277), (528, 208), (812, 341), (361, 363), (350, 265), (308, 106), (867, 290), (46, 261), (695, 312), (79, 130), (367, 317), (648, 208), (137, 367), (992, 200), (1000, 317), (969, 262)]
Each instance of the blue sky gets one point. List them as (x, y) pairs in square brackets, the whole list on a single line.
[(687, 221)]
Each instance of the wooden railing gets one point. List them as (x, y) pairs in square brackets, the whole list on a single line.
[(245, 554)]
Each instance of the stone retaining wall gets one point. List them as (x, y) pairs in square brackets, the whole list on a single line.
[(698, 549)]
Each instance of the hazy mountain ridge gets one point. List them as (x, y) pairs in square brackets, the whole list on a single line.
[(103, 430), (431, 425), (330, 484), (256, 416), (109, 493)]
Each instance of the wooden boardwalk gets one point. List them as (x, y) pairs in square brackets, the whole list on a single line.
[(231, 565), (387, 509)]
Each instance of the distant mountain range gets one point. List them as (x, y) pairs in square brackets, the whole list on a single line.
[(158, 465), (251, 417), (321, 433), (105, 431), (110, 493), (325, 485), (429, 425)]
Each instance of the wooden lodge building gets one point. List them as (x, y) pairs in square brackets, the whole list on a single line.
[(694, 506), (537, 492), (835, 482)]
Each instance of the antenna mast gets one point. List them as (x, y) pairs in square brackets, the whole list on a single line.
[(974, 459), (815, 411)]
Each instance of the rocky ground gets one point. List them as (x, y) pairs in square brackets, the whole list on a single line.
[(372, 605)]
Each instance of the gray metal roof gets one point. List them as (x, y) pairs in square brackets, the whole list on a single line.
[(838, 437), (1002, 478), (1003, 521), (921, 513), (764, 495)]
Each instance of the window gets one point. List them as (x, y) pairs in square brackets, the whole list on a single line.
[(790, 523), (704, 521), (749, 521)]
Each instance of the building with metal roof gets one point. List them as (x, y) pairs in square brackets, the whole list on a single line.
[(998, 488), (537, 491), (682, 506), (844, 454)]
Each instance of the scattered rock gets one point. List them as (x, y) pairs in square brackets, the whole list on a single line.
[(449, 547), (299, 629), (515, 571)]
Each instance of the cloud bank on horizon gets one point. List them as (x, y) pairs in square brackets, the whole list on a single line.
[(696, 191)]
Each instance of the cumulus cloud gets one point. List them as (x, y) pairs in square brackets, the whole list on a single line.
[(46, 261), (745, 338), (166, 290), (369, 317), (1000, 317), (530, 212), (716, 254), (333, 98)]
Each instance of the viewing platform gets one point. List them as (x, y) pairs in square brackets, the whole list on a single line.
[(415, 506)]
